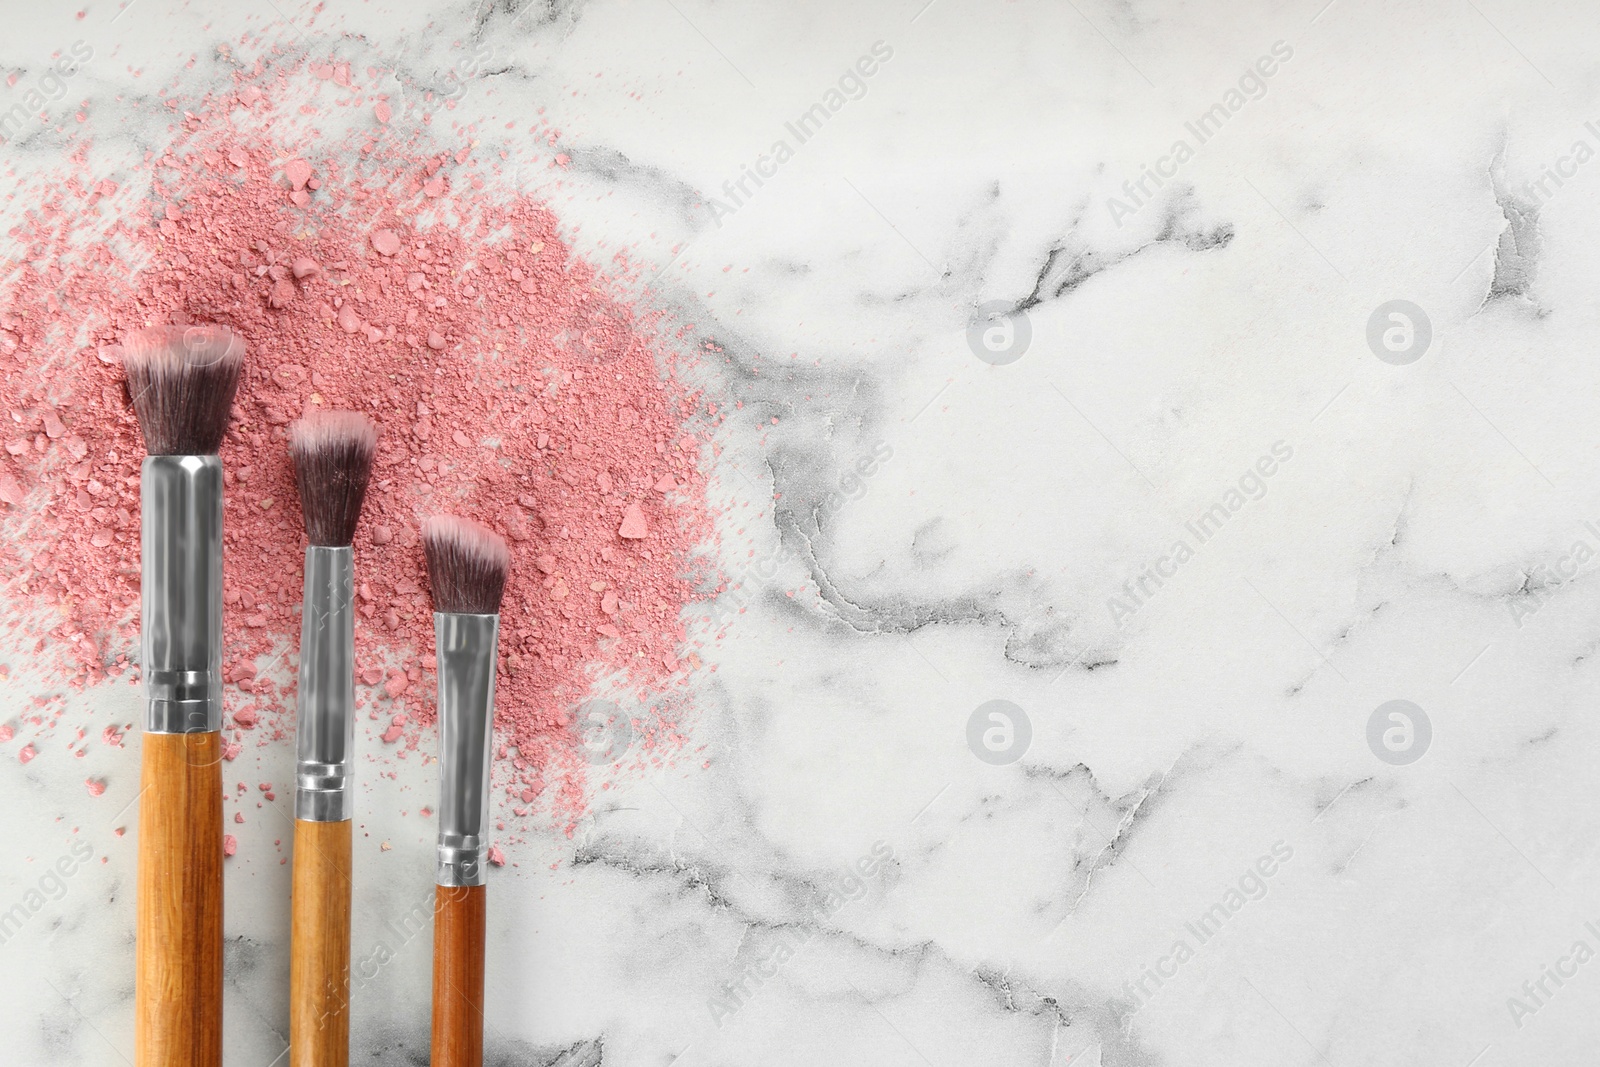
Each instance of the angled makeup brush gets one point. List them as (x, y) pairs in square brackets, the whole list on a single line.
[(467, 569), (182, 380), (332, 454)]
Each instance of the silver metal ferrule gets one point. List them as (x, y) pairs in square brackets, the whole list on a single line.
[(465, 647), (325, 724), (180, 614)]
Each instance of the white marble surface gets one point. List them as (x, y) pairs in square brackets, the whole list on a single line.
[(1423, 513)]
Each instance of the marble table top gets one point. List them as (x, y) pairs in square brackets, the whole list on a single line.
[(1175, 414)]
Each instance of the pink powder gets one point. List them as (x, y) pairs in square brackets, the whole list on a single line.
[(511, 382)]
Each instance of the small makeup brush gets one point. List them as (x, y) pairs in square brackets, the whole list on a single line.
[(182, 380), (332, 454), (467, 569)]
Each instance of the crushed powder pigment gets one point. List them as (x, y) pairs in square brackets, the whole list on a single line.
[(511, 384)]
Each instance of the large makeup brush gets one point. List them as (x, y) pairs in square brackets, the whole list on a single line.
[(182, 380), (467, 568), (332, 455)]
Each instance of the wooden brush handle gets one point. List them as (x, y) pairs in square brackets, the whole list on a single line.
[(178, 948), (458, 939), (319, 940)]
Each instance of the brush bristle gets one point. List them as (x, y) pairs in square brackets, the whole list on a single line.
[(467, 565), (182, 380), (332, 454)]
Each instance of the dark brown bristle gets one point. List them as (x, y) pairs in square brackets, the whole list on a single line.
[(182, 380), (467, 565), (332, 454)]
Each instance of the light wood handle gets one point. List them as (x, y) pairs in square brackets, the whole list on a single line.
[(458, 939), (178, 947), (319, 946)]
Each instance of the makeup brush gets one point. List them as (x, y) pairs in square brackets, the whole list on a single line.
[(332, 455), (182, 381), (467, 568)]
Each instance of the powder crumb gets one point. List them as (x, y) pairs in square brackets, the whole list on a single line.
[(386, 242), (633, 525), (96, 786), (497, 857), (27, 753), (6, 733), (298, 171), (230, 844)]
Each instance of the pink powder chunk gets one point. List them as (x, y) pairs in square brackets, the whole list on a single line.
[(305, 267), (298, 171), (381, 110), (95, 786), (633, 525), (6, 733), (230, 844), (386, 242), (497, 857), (27, 753), (10, 491), (398, 683)]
